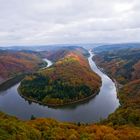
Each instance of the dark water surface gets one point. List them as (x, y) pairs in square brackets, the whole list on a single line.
[(90, 111)]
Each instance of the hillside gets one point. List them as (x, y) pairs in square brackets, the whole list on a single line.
[(123, 65), (70, 79), (60, 52), (13, 63), (129, 111), (47, 129), (116, 47)]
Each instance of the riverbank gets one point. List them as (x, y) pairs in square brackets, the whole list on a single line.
[(11, 81), (117, 84), (58, 105)]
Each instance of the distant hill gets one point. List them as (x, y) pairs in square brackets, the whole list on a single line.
[(61, 52), (13, 63), (122, 63), (109, 47), (40, 47)]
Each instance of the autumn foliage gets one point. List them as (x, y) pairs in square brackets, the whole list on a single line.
[(13, 63), (123, 65), (123, 124), (47, 129)]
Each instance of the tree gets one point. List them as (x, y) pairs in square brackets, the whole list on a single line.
[(33, 117)]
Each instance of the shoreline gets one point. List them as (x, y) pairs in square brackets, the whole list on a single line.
[(11, 81), (57, 105), (117, 84)]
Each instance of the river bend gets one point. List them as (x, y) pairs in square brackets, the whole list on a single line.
[(93, 110)]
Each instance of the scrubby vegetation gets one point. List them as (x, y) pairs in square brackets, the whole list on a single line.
[(69, 79)]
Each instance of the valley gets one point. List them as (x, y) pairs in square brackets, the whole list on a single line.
[(13, 103), (121, 65)]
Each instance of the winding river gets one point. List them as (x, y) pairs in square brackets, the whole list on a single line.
[(92, 110)]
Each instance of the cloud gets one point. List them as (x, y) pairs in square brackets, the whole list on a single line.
[(68, 21)]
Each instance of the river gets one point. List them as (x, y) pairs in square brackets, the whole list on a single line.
[(89, 111)]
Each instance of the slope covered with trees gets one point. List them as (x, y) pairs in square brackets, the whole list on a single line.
[(13, 63), (123, 65), (70, 79), (47, 129), (60, 52)]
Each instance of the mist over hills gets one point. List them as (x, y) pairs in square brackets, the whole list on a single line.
[(50, 47)]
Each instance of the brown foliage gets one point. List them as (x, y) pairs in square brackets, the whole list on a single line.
[(13, 63)]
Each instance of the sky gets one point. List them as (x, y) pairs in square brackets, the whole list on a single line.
[(35, 22)]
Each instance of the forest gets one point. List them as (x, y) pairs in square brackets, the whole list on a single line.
[(12, 128)]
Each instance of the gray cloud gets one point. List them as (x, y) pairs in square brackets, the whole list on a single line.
[(68, 21)]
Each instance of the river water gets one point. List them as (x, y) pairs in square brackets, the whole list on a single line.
[(89, 111)]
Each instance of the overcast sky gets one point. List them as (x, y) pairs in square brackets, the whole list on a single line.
[(69, 21)]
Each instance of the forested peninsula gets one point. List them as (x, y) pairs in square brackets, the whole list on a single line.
[(69, 80)]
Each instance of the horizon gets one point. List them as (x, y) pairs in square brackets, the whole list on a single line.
[(68, 44)]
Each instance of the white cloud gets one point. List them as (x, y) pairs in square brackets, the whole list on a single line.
[(68, 21)]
